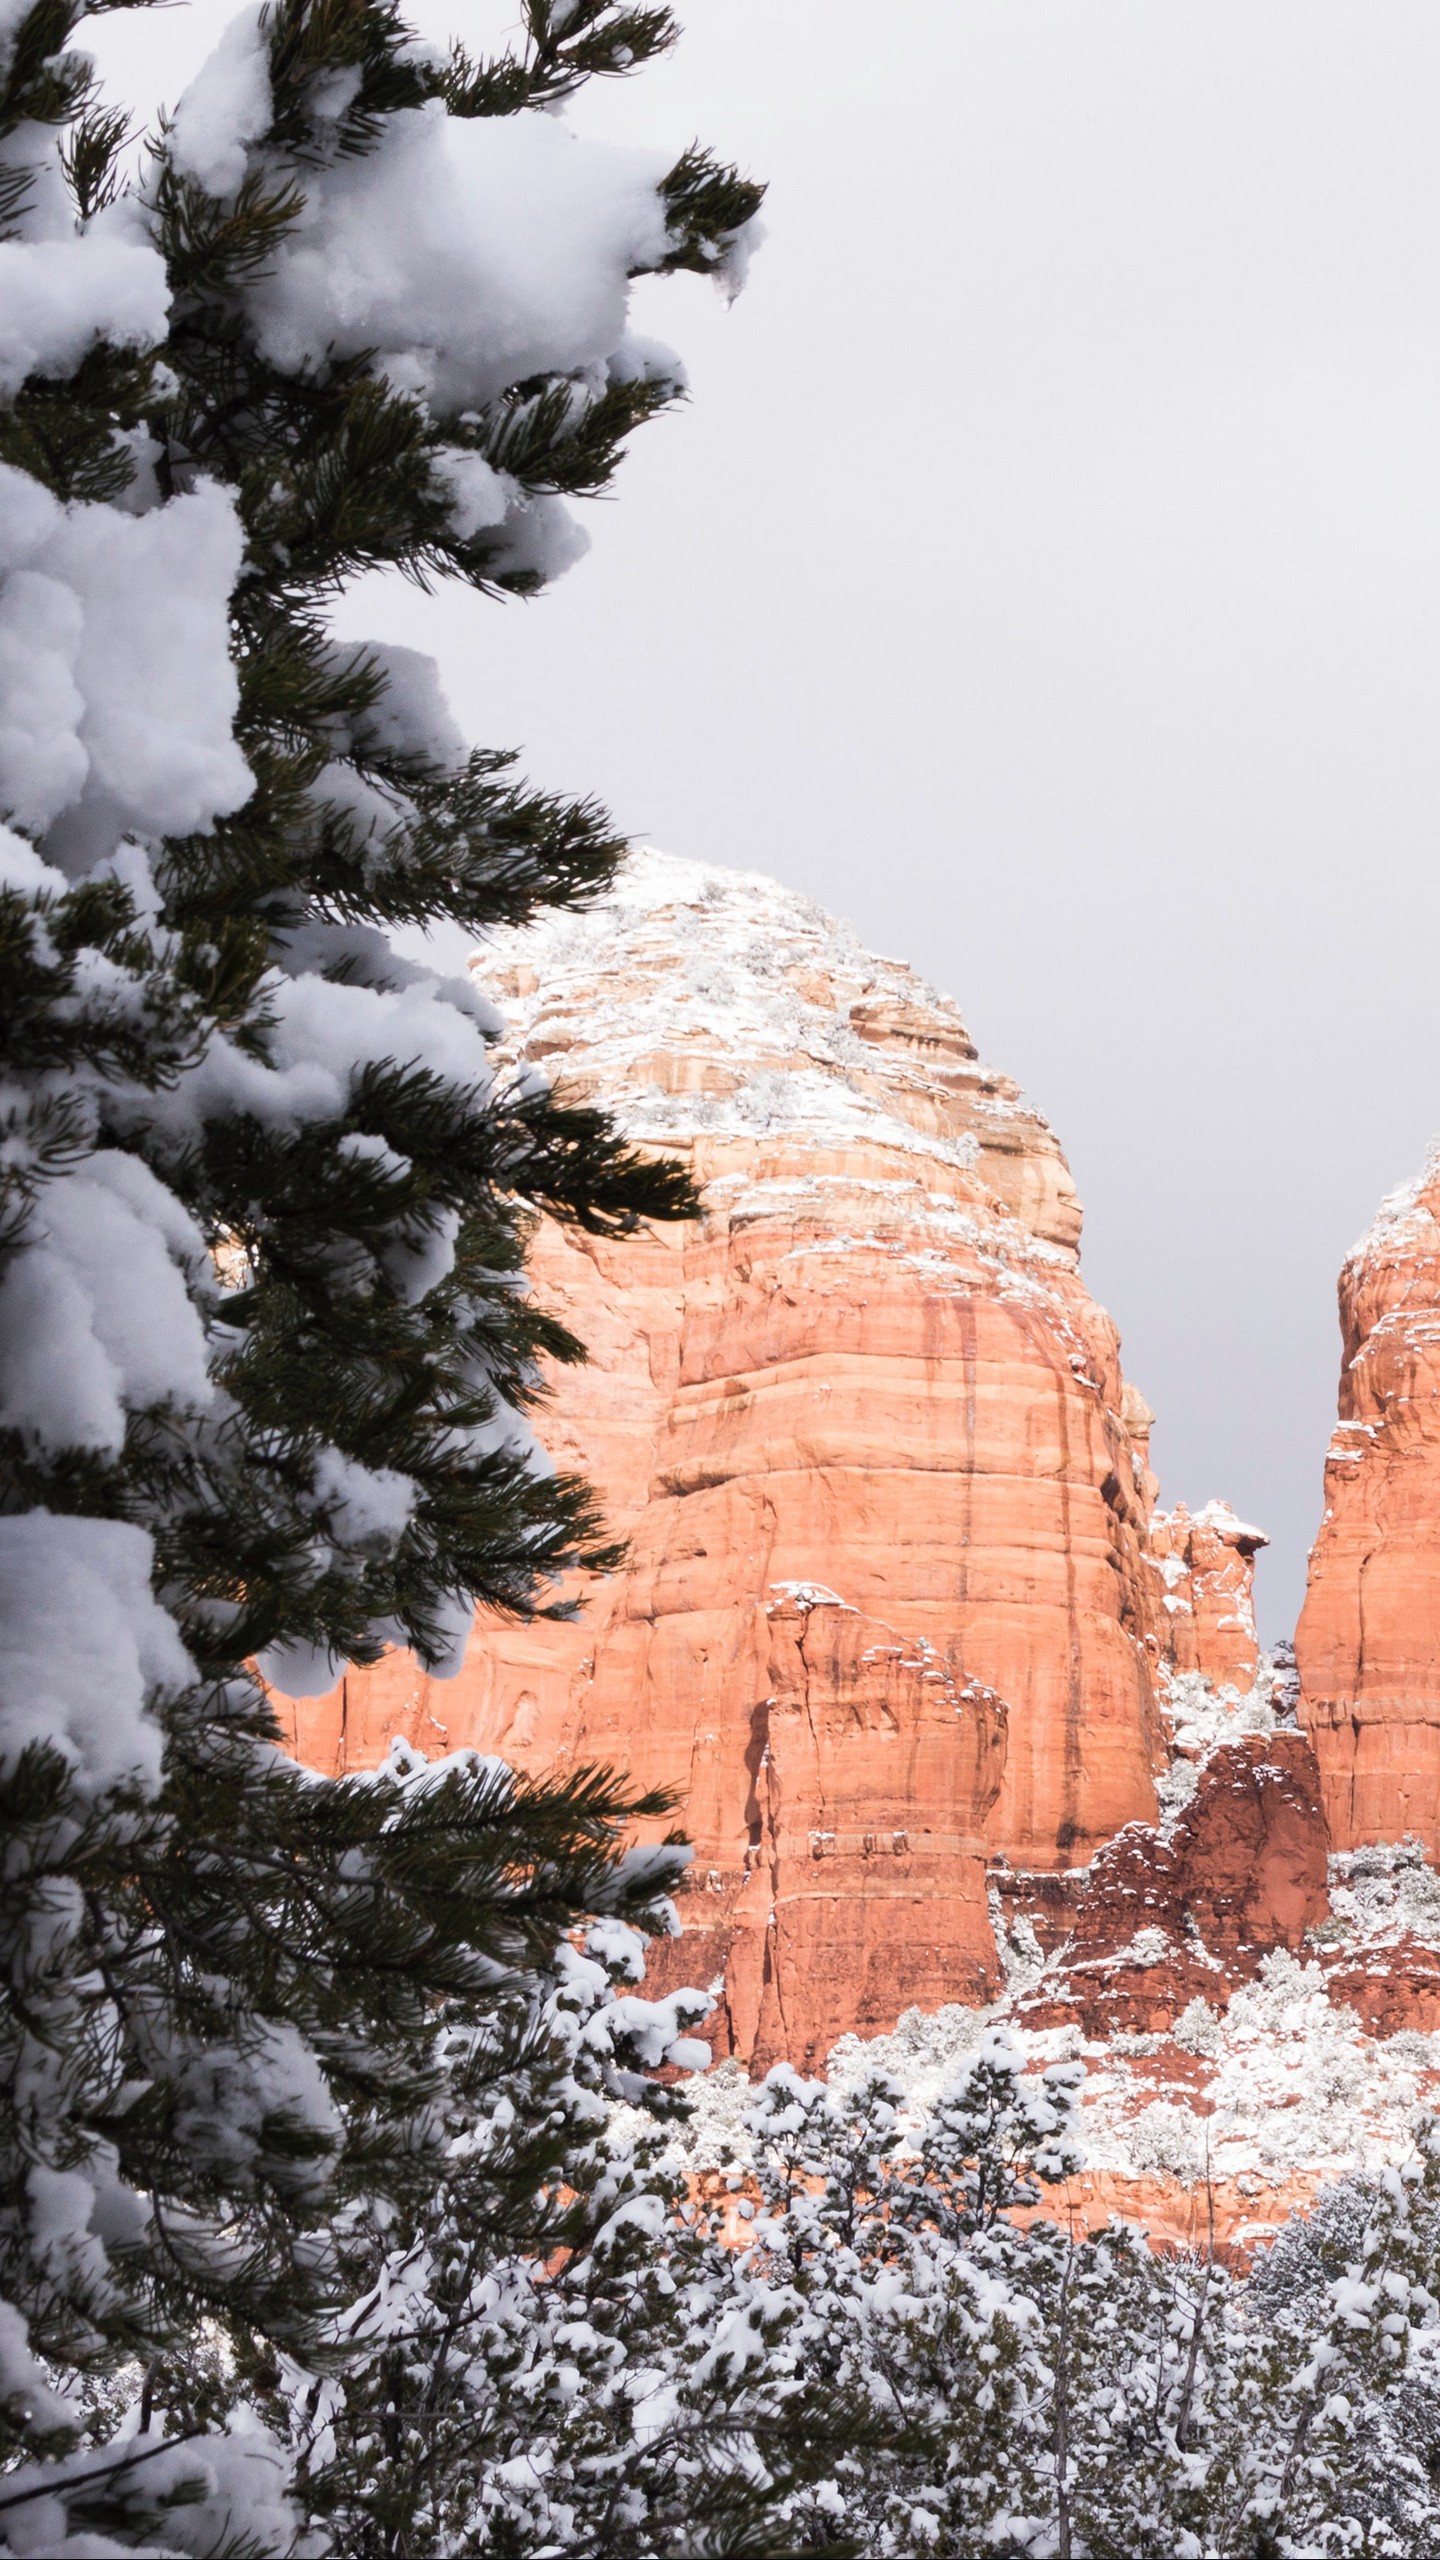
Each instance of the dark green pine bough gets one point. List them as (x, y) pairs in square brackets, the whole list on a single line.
[(232, 2008)]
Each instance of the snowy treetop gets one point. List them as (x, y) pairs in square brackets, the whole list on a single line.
[(1281, 2085)]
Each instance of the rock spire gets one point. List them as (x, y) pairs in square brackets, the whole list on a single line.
[(1368, 1642)]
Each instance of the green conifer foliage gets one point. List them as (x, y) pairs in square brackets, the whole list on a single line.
[(266, 1347)]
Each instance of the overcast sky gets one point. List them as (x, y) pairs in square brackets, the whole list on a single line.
[(1046, 575)]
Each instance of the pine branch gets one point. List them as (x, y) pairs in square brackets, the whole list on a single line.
[(708, 205), (90, 159)]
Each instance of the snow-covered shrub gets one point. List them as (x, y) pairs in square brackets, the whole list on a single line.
[(962, 2378)]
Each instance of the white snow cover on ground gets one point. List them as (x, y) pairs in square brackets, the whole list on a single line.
[(1295, 2084), (1291, 2086), (1378, 1895)]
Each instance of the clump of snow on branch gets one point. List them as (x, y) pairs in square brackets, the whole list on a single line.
[(226, 108), (468, 254), (119, 697), (86, 1646), (61, 293)]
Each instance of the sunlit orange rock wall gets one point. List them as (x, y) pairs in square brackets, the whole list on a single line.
[(1368, 1642), (1206, 1566), (887, 1608)]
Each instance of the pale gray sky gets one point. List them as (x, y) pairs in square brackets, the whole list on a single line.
[(1046, 576)]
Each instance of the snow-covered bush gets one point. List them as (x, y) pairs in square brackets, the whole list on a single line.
[(605, 2388), (265, 1346), (952, 2371)]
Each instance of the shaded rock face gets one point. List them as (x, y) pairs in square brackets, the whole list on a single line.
[(1166, 1916), (888, 1606), (873, 1769), (1368, 1643)]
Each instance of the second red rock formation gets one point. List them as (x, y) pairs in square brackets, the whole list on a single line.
[(1368, 1642)]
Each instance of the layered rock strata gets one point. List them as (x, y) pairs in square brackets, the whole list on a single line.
[(1368, 1642), (960, 1725), (889, 1606), (1206, 1565)]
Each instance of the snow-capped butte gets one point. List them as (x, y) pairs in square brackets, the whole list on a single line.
[(707, 1004), (898, 1615)]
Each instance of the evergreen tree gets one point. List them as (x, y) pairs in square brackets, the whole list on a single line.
[(1011, 2386), (622, 2387), (266, 1351)]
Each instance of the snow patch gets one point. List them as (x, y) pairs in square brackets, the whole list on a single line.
[(468, 253), (87, 1645), (227, 107)]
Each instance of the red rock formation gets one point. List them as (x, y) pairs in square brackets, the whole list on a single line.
[(1232, 2216), (1391, 1989), (1368, 1642), (1163, 1919), (872, 1770), (872, 1367), (1206, 1565)]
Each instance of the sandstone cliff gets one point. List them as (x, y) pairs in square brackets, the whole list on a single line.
[(1368, 1642), (889, 1606), (1206, 1566)]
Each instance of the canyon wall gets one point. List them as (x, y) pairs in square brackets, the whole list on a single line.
[(1368, 1642), (890, 1607)]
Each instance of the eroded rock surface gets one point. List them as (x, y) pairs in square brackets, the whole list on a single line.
[(1205, 1561), (1168, 1914), (1368, 1642), (961, 1728)]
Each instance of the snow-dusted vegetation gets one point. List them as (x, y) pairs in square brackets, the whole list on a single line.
[(266, 1351), (341, 2207)]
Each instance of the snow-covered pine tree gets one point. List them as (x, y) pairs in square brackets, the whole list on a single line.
[(265, 1346), (1334, 2444), (628, 2394), (1013, 2386), (916, 2325)]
